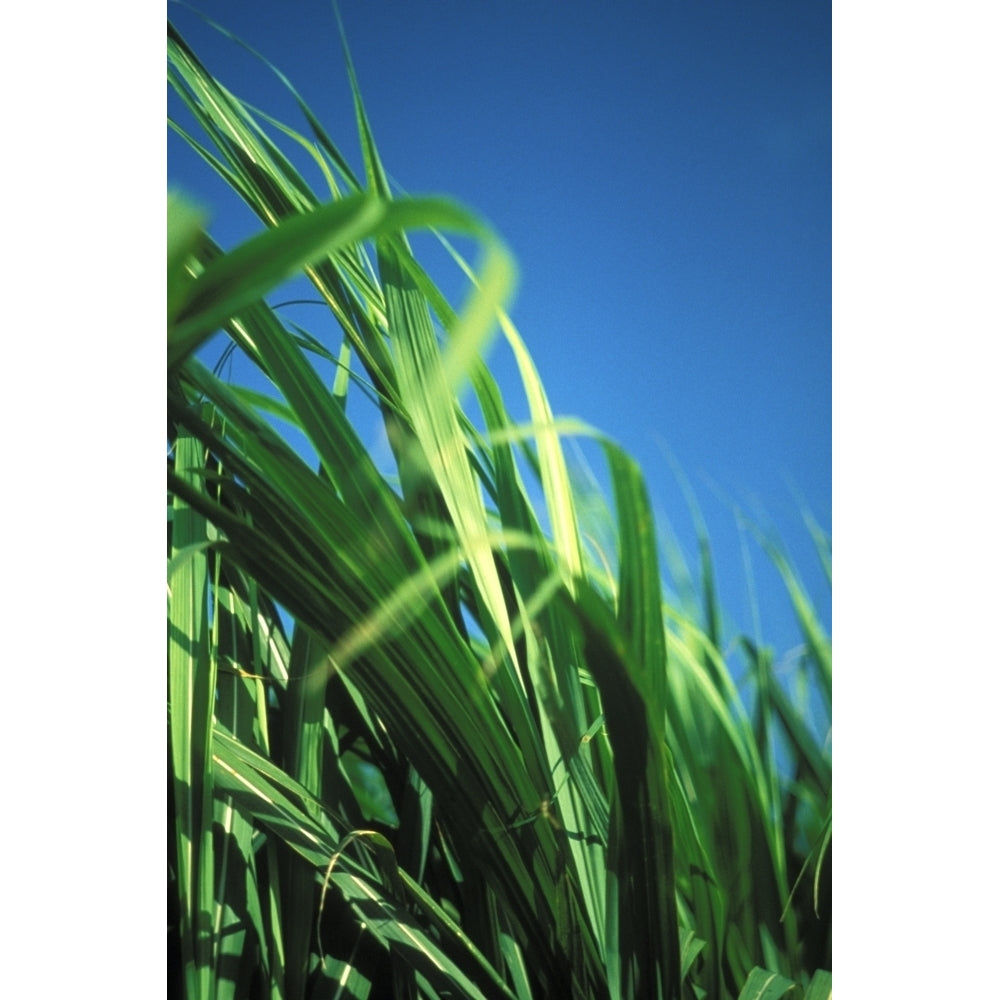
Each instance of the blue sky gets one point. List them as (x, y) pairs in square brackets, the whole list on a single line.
[(662, 174)]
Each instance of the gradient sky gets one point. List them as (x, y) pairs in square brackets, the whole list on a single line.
[(662, 174)]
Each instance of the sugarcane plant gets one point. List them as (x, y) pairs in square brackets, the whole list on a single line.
[(426, 737)]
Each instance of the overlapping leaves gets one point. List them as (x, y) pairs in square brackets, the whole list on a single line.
[(405, 709)]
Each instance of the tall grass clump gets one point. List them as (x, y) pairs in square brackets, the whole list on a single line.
[(424, 739)]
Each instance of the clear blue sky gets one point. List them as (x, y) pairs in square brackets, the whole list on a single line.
[(662, 173)]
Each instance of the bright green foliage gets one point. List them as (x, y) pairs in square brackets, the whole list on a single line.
[(425, 741)]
